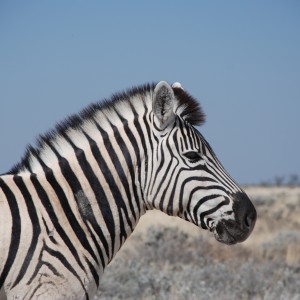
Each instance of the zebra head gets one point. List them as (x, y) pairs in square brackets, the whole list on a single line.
[(188, 179)]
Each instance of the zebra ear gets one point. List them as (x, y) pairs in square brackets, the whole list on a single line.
[(163, 104)]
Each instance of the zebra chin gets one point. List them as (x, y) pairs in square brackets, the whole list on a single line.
[(237, 230)]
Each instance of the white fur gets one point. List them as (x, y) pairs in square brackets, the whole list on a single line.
[(177, 85)]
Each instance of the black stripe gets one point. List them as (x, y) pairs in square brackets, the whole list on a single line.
[(48, 207), (173, 157), (201, 142), (198, 187), (196, 207), (181, 126), (148, 136), (118, 167), (225, 178), (15, 230), (122, 175), (64, 262), (136, 145), (177, 140), (51, 236), (211, 211), (188, 136), (94, 272), (171, 199), (36, 229), (112, 184), (220, 174), (73, 182), (151, 160), (194, 137), (161, 164), (142, 137)]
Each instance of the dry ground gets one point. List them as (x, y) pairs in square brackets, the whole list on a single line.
[(168, 258)]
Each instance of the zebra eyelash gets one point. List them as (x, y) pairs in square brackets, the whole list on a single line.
[(192, 156)]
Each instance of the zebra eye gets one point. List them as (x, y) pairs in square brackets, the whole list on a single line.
[(192, 156)]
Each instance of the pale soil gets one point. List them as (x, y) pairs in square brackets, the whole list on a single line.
[(168, 258)]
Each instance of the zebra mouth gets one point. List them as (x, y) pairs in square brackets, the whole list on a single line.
[(227, 234), (225, 237), (212, 229)]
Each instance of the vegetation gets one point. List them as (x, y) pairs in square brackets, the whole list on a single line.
[(292, 180)]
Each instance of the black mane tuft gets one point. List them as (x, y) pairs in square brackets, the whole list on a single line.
[(192, 110)]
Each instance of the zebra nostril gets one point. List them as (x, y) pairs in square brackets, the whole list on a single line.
[(245, 211), (249, 220)]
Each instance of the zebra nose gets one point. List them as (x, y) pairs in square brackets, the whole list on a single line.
[(245, 211)]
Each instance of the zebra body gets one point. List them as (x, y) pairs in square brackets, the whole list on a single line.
[(70, 204)]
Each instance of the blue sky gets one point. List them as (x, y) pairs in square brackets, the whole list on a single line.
[(241, 59)]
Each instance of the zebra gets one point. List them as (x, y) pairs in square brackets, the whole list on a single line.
[(78, 193)]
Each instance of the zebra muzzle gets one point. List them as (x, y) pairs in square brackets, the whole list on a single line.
[(238, 229)]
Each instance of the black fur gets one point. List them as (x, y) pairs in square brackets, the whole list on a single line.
[(192, 112)]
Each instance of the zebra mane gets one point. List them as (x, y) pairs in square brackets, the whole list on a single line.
[(191, 110), (188, 108)]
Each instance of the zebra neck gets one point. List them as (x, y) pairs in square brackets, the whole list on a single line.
[(95, 171), (90, 177), (100, 178)]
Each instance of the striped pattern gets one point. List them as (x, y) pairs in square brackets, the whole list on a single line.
[(69, 205)]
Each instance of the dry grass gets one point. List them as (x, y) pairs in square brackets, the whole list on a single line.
[(167, 258)]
